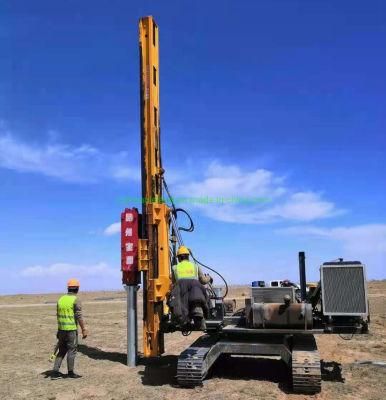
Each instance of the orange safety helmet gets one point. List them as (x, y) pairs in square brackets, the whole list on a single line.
[(73, 283)]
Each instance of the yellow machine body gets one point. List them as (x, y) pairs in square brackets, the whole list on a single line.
[(154, 244)]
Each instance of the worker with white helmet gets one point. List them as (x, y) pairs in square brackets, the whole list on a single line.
[(69, 316)]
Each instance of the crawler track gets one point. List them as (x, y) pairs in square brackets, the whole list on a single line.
[(193, 366), (195, 362), (306, 373)]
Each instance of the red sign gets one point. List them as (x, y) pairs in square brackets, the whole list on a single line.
[(129, 246)]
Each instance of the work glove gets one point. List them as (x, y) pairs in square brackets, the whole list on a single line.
[(84, 333)]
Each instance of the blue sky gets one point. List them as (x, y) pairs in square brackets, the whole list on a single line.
[(277, 99)]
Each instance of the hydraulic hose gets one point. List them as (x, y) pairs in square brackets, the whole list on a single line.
[(177, 230), (216, 272), (191, 227)]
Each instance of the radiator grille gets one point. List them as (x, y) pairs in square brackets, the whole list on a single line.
[(343, 290), (272, 295)]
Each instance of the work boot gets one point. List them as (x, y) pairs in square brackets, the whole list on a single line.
[(73, 375), (197, 312), (55, 375), (199, 323)]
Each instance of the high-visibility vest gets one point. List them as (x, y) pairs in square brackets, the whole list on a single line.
[(185, 270), (66, 314)]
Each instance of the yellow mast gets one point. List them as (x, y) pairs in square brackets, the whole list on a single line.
[(154, 243)]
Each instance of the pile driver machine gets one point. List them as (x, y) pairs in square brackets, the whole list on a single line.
[(274, 321)]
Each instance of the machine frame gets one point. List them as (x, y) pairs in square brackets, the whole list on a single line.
[(150, 252)]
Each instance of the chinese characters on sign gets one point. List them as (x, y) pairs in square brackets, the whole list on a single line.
[(129, 246)]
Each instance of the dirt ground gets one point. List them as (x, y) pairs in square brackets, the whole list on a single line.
[(27, 337)]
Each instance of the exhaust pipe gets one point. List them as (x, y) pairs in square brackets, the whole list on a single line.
[(302, 275)]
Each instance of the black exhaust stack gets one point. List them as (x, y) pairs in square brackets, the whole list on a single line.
[(302, 275)]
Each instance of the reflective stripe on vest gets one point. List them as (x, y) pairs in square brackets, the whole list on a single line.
[(185, 270), (66, 314)]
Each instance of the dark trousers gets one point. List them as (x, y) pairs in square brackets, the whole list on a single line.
[(193, 293), (68, 343), (187, 294)]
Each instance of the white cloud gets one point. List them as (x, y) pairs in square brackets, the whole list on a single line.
[(254, 197), (112, 229), (229, 180), (67, 270), (228, 193), (121, 172), (54, 277), (360, 239), (303, 206), (81, 164), (365, 243)]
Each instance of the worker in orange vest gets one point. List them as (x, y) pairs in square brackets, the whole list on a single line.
[(69, 316)]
